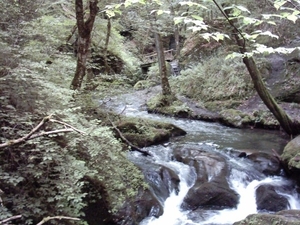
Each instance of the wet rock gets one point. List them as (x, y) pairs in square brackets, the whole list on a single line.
[(211, 195), (162, 180), (268, 199), (242, 155), (291, 157), (286, 217), (211, 189), (136, 209), (267, 163)]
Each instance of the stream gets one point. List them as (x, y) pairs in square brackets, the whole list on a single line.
[(212, 140)]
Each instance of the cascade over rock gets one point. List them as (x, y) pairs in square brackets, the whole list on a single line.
[(162, 180), (211, 188)]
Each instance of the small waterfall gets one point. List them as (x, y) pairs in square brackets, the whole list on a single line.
[(247, 203), (240, 181), (173, 215)]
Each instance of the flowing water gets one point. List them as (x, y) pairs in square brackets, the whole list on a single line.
[(216, 139)]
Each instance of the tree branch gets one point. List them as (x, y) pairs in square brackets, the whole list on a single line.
[(10, 218), (231, 24), (46, 219), (32, 134), (1, 202), (67, 125), (134, 147)]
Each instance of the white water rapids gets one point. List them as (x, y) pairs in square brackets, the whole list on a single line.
[(172, 212), (174, 215)]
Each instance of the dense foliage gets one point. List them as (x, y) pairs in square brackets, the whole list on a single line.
[(49, 175)]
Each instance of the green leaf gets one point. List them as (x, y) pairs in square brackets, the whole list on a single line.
[(178, 20), (292, 17), (159, 12), (249, 20), (206, 36), (197, 17), (279, 3), (243, 9)]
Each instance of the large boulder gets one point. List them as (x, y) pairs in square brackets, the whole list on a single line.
[(291, 157), (211, 189), (286, 217), (266, 163), (211, 195), (143, 132), (268, 199)]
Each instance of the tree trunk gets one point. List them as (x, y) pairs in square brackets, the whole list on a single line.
[(165, 86), (107, 68), (289, 126), (84, 40)]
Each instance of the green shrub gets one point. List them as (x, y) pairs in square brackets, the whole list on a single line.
[(214, 79)]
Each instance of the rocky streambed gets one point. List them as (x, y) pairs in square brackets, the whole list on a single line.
[(212, 175)]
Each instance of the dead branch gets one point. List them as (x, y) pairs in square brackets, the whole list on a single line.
[(134, 147), (32, 134), (67, 125), (10, 218), (1, 201), (46, 219), (122, 110)]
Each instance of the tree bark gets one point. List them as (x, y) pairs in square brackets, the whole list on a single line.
[(84, 40), (165, 86)]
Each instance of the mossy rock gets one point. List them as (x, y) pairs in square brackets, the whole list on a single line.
[(286, 217), (169, 105), (291, 154), (143, 132), (236, 118), (265, 119)]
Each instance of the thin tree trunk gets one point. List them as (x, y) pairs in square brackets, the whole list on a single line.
[(107, 68), (166, 89), (84, 40), (176, 35)]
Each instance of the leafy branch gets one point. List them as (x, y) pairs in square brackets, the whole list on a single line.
[(33, 133)]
